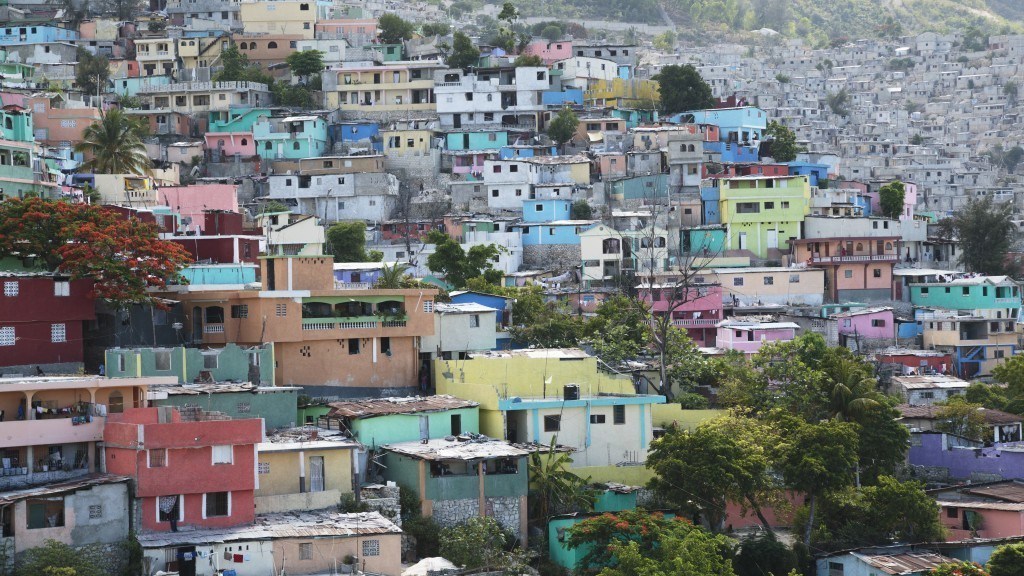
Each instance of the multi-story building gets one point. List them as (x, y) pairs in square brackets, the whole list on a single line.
[(279, 17), (977, 340), (189, 468), (397, 87), (156, 56), (491, 97), (338, 188), (291, 137), (307, 319), (609, 254), (22, 170), (763, 214), (749, 337), (203, 97), (857, 254), (224, 13)]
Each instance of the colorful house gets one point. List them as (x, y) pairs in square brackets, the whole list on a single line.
[(977, 342), (925, 390), (762, 214), (749, 337), (214, 464), (744, 124), (380, 421), (695, 308), (228, 364), (989, 510), (873, 327), (952, 458), (303, 469), (291, 137)]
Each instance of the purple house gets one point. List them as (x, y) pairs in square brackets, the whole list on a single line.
[(748, 337), (944, 456), (867, 323)]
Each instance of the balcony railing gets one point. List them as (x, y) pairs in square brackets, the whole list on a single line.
[(213, 329), (856, 258), (696, 323), (352, 285)]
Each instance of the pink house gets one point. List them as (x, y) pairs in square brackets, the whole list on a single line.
[(364, 28), (469, 161), (192, 201), (699, 315), (992, 510), (612, 165), (868, 323), (231, 143), (749, 337), (550, 52), (909, 199)]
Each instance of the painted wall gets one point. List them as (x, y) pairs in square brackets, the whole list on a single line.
[(874, 325), (277, 407), (231, 364), (935, 451), (287, 472), (79, 529), (391, 429)]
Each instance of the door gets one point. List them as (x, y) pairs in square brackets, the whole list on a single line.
[(424, 427), (743, 240), (773, 239), (316, 474), (197, 324), (457, 120), (186, 557)]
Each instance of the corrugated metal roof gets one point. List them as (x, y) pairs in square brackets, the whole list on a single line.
[(442, 449), (305, 524), (910, 563), (1012, 491), (61, 487), (371, 407)]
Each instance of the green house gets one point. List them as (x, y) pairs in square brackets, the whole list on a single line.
[(275, 404), (378, 421), (978, 293), (459, 478), (232, 363)]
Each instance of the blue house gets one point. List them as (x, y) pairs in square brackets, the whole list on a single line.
[(356, 132), (743, 124), (132, 86), (479, 140), (293, 137), (35, 34), (356, 275), (220, 274), (566, 232), (815, 172), (710, 239), (562, 98), (546, 210), (526, 151), (733, 152), (502, 304), (646, 187), (709, 197)]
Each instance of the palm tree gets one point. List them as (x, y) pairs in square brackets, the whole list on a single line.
[(114, 146), (392, 277), (854, 392), (553, 488)]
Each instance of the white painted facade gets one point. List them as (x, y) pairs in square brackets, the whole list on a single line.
[(461, 328), (361, 196), (501, 97)]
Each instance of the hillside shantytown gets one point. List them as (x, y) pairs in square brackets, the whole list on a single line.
[(454, 287)]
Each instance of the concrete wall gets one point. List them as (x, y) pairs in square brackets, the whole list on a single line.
[(276, 407), (289, 471), (382, 430), (79, 529)]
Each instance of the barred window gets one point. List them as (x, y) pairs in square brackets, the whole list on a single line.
[(428, 306), (58, 333), (306, 551), (282, 309), (10, 288), (95, 511), (244, 407), (371, 548), (263, 468)]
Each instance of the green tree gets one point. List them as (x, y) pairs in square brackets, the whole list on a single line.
[(959, 568), (551, 33), (815, 459), (392, 29), (435, 29), (114, 145), (554, 489), (985, 232), (1007, 560), (457, 265), (891, 197), (703, 470), (273, 206), (618, 331), (91, 72), (563, 126), (478, 543), (763, 554), (393, 277), (1011, 373), (837, 102), (527, 60), (294, 95), (784, 147), (901, 512), (57, 559), (581, 210), (683, 89), (463, 53), (347, 241), (306, 63), (990, 396), (641, 543), (960, 417), (665, 41), (882, 441)]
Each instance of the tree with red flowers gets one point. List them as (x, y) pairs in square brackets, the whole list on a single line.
[(958, 568), (123, 256)]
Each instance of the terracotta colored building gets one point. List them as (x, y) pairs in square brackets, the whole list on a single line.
[(187, 471)]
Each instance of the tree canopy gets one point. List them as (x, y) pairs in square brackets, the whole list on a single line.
[(783, 142), (985, 232), (683, 89), (1007, 560), (563, 126), (463, 53), (347, 241), (91, 72), (114, 145), (123, 256), (891, 198), (306, 63), (393, 29), (458, 265)]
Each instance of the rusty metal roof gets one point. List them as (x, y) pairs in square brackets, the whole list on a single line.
[(929, 412), (370, 407), (909, 563), (1012, 491), (61, 487), (477, 448), (304, 524)]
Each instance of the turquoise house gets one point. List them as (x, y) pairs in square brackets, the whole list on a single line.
[(292, 138), (979, 293), (709, 240), (220, 274), (388, 52), (647, 187), (236, 119), (231, 363), (478, 140), (379, 421), (275, 404), (459, 479), (132, 86)]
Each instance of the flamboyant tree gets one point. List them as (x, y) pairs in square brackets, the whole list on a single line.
[(123, 256)]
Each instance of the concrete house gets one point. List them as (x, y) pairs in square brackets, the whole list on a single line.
[(866, 328), (460, 329), (924, 390), (303, 469), (749, 337), (1003, 427), (768, 285), (291, 137), (491, 97), (858, 255), (977, 342), (607, 254), (190, 365), (762, 214), (861, 563), (380, 421), (462, 478)]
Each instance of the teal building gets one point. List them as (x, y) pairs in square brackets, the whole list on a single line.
[(275, 404), (232, 363), (378, 421)]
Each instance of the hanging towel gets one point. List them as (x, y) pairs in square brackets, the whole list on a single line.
[(238, 558)]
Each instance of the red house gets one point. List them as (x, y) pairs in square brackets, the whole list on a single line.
[(699, 314), (41, 322), (222, 241), (187, 472)]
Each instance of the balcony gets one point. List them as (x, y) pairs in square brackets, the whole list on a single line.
[(815, 259), (352, 285), (213, 329), (50, 431), (696, 323), (371, 323)]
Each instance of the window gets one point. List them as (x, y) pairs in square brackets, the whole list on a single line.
[(785, 205), (769, 280), (737, 281), (748, 208), (385, 346), (239, 310), (62, 288), (217, 504), (848, 274), (243, 407), (157, 457), (428, 306), (877, 272), (58, 333), (162, 360), (211, 361), (952, 512), (272, 45), (552, 423), (494, 193), (474, 321), (223, 454), (353, 346), (95, 511), (513, 167), (769, 205), (619, 414), (11, 288), (597, 418), (497, 169), (281, 309), (263, 468), (371, 548), (45, 513), (794, 278), (998, 353), (456, 424), (305, 551), (878, 322)]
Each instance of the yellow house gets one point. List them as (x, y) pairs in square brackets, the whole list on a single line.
[(303, 473), (398, 141), (201, 52), (623, 93), (279, 17), (394, 87)]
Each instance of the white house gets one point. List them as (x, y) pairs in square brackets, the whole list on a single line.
[(460, 329)]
